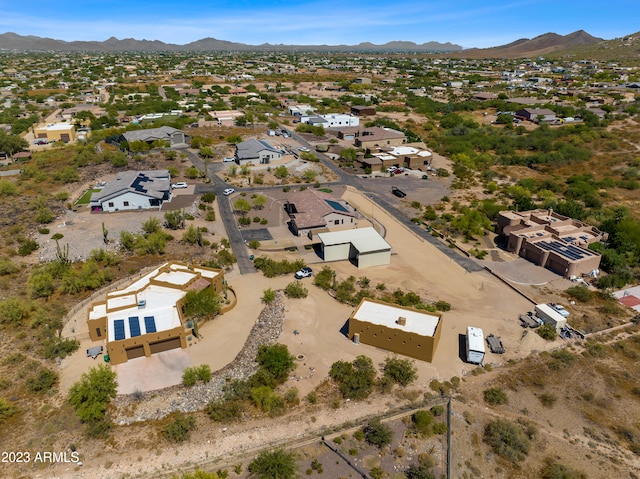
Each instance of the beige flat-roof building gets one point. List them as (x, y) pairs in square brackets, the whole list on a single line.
[(146, 317), (65, 132), (551, 240), (363, 246), (396, 328)]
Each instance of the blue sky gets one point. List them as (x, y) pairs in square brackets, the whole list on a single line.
[(303, 22)]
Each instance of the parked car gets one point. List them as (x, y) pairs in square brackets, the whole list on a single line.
[(228, 191), (179, 185), (41, 142), (399, 193), (397, 171), (228, 160), (304, 273), (391, 169)]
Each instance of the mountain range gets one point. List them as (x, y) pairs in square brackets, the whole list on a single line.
[(13, 41), (540, 45)]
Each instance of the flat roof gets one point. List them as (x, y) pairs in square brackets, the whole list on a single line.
[(418, 322), (159, 312), (363, 239), (475, 339)]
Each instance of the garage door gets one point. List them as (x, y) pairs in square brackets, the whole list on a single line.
[(135, 352), (165, 345)]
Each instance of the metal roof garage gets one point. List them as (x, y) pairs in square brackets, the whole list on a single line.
[(364, 247)]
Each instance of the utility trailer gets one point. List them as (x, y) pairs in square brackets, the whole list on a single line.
[(495, 344), (475, 345)]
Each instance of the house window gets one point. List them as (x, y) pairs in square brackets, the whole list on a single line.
[(126, 203), (110, 204), (98, 332), (336, 222)]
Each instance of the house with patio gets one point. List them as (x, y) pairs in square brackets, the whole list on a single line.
[(147, 316), (133, 190)]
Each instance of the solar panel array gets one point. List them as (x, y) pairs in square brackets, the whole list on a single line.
[(118, 329), (567, 250), (150, 324), (134, 326)]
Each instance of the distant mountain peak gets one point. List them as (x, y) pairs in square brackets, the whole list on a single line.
[(13, 41)]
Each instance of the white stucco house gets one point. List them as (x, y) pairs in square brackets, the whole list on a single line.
[(133, 190)]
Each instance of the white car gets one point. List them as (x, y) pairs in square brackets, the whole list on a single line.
[(228, 191), (179, 185), (228, 160), (303, 148)]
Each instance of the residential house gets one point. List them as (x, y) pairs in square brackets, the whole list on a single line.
[(256, 152), (542, 115), (312, 211), (172, 136), (147, 317), (551, 240), (133, 190)]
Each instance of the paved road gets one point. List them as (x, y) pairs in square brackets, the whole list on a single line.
[(235, 236), (238, 246)]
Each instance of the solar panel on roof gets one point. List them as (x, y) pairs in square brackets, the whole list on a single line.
[(118, 329), (150, 324), (336, 206), (134, 326)]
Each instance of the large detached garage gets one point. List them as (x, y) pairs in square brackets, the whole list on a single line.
[(364, 247)]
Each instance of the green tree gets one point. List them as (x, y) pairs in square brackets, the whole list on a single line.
[(93, 392), (377, 434), (242, 205), (276, 464), (401, 371), (201, 304), (356, 379), (277, 360), (349, 154), (259, 201)]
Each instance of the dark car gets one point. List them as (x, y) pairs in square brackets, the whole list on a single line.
[(398, 192)]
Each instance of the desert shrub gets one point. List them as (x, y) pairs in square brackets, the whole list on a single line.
[(548, 399), (7, 409), (437, 410), (189, 377), (277, 463), (377, 434), (55, 347), (356, 379), (439, 427), (507, 439), (27, 246), (548, 332), (312, 397), (208, 197), (495, 396), (42, 382), (554, 470), (581, 293), (254, 244), (422, 470), (401, 371), (324, 278), (276, 360), (210, 215), (225, 410), (296, 290), (8, 267), (179, 430), (268, 296), (442, 306), (421, 422), (271, 268)]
